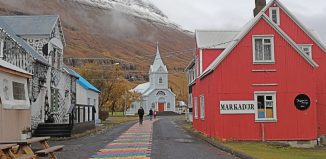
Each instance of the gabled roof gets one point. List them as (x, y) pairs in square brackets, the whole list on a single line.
[(31, 25), (244, 32), (13, 67), (214, 39), (158, 63), (22, 43), (81, 80), (312, 35), (142, 88)]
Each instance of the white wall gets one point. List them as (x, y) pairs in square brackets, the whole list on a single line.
[(82, 96)]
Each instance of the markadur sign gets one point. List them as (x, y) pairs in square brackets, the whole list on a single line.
[(237, 107)]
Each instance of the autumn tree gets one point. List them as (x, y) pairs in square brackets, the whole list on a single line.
[(115, 94)]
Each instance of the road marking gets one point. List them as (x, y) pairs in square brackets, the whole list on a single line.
[(135, 143)]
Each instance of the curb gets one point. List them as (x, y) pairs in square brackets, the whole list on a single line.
[(219, 145)]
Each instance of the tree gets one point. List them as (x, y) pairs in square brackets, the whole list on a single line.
[(114, 88)]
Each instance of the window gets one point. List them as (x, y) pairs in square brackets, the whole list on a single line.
[(18, 91), (202, 107), (169, 106), (196, 107), (160, 80), (88, 101), (94, 102), (274, 14), (266, 106), (197, 66), (307, 49), (190, 101), (1, 48), (263, 49)]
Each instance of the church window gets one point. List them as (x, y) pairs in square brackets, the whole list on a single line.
[(169, 106), (160, 80), (160, 93)]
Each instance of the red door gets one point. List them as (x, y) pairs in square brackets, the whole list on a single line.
[(160, 107)]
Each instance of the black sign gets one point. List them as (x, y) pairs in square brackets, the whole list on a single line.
[(302, 102)]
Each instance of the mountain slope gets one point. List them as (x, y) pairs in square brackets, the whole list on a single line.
[(93, 31)]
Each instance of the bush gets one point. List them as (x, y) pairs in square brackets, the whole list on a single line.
[(103, 115)]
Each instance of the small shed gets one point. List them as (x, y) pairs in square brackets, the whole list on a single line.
[(15, 112)]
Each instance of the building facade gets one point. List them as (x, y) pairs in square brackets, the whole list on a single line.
[(15, 107), (156, 94), (36, 44), (263, 82)]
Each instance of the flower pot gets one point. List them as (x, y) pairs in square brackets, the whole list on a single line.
[(23, 136)]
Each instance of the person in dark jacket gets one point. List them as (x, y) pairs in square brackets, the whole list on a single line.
[(141, 115), (151, 114)]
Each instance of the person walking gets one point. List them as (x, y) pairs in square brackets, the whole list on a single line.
[(150, 114), (141, 115)]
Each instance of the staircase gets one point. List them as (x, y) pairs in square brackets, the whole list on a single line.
[(53, 130)]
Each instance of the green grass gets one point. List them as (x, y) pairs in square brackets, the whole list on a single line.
[(262, 150), (266, 151)]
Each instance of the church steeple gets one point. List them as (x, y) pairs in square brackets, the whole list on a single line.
[(158, 63)]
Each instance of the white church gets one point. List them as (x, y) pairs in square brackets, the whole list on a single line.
[(156, 94)]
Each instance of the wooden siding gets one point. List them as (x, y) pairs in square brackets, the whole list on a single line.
[(233, 79)]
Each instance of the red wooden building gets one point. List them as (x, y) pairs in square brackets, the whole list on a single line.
[(264, 82)]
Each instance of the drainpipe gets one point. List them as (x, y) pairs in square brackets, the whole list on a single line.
[(263, 132)]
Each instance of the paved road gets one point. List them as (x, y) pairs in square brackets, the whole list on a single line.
[(85, 147), (170, 141), (163, 140)]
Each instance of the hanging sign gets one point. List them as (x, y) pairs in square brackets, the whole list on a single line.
[(302, 102), (237, 107)]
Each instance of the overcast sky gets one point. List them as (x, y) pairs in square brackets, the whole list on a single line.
[(233, 14)]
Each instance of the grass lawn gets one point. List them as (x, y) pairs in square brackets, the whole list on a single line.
[(262, 150), (265, 151)]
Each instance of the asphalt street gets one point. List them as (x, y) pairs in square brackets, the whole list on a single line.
[(170, 141)]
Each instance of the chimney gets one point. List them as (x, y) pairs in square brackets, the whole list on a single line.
[(260, 4)]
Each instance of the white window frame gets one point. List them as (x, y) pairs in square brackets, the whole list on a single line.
[(197, 67), (200, 61), (309, 46), (196, 107), (266, 93), (1, 47), (202, 107), (263, 37), (190, 101), (277, 9)]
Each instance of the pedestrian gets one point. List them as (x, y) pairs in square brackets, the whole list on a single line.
[(150, 114), (141, 115), (155, 113)]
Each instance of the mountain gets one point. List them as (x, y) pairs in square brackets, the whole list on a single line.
[(126, 30)]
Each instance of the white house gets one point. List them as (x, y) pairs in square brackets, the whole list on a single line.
[(156, 94), (15, 110), (36, 44), (86, 95)]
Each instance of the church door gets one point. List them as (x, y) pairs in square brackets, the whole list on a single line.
[(160, 107)]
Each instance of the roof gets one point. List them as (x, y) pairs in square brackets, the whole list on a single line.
[(214, 39), (158, 62), (31, 25), (13, 67), (81, 80), (312, 35), (241, 35), (22, 43), (70, 71), (142, 88)]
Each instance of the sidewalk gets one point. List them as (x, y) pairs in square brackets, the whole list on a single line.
[(135, 143)]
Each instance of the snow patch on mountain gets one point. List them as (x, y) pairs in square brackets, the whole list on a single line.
[(139, 8)]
